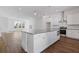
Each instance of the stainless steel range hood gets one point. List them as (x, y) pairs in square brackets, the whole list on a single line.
[(63, 20)]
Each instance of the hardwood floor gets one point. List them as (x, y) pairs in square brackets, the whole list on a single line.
[(64, 45), (11, 44)]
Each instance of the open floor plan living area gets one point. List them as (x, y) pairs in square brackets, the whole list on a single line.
[(39, 29)]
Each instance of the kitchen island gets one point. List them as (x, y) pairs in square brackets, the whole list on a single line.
[(38, 41)]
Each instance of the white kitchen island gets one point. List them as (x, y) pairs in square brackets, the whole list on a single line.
[(38, 41)]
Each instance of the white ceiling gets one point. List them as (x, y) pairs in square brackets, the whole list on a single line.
[(24, 11)]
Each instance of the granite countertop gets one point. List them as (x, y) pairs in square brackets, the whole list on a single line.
[(41, 31), (38, 31)]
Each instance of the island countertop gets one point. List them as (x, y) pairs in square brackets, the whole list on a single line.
[(41, 31)]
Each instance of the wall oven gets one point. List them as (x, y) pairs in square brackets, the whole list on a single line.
[(63, 30)]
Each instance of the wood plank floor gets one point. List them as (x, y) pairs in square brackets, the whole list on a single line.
[(11, 43), (64, 45)]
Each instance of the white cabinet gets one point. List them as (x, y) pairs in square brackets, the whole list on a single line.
[(52, 37), (24, 40), (73, 19), (40, 42), (35, 43), (73, 33), (29, 42)]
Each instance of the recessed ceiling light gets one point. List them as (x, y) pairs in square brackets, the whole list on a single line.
[(57, 10), (35, 13), (20, 8)]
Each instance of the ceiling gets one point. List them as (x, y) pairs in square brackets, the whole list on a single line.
[(25, 11)]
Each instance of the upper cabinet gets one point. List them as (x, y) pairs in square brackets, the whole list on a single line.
[(72, 16), (53, 19), (73, 19), (56, 19)]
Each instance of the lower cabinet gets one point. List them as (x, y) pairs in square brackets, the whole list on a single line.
[(36, 43), (52, 37), (27, 42), (30, 43), (40, 42), (44, 40), (73, 34), (24, 41)]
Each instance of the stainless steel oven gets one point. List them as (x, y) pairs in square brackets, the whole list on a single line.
[(63, 30)]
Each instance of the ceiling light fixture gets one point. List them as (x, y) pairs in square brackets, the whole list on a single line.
[(35, 13), (20, 9), (57, 10)]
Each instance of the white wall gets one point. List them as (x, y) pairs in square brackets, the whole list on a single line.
[(28, 22), (3, 24), (7, 23), (38, 23)]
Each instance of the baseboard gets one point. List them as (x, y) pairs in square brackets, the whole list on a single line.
[(71, 38)]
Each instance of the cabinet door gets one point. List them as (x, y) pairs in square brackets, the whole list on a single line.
[(69, 33), (40, 42), (76, 34), (24, 40), (73, 33), (29, 43), (73, 18), (52, 37)]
